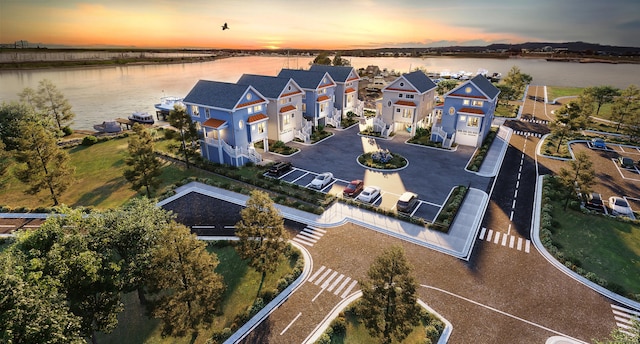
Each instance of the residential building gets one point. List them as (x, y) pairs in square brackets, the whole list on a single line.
[(347, 85), (231, 118), (407, 103), (284, 108), (319, 98), (467, 113)]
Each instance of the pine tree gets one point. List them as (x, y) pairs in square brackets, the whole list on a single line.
[(388, 307), (580, 176), (44, 165), (183, 273), (145, 165), (261, 234), (50, 103), (181, 120)]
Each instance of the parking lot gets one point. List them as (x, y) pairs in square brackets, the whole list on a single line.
[(431, 173)]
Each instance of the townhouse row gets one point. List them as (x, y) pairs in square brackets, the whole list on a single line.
[(233, 117)]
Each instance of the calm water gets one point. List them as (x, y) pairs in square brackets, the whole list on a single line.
[(103, 93)]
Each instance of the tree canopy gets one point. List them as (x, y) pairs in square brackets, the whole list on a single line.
[(322, 59), (389, 306), (579, 176), (517, 80), (181, 120), (49, 102), (144, 165)]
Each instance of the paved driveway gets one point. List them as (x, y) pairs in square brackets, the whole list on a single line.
[(431, 173)]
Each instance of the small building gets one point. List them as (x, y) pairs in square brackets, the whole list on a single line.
[(347, 85), (231, 118), (467, 113), (407, 103), (319, 98), (284, 108)]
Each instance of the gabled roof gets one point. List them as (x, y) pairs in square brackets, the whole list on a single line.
[(485, 86), (221, 95), (481, 83), (269, 86), (338, 73), (420, 81), (305, 78)]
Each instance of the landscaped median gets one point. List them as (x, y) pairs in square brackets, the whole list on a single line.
[(603, 249)]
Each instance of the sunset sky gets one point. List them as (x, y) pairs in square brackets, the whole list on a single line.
[(328, 24)]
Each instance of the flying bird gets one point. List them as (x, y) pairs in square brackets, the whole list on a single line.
[(225, 27)]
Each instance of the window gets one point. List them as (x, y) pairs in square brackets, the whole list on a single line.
[(257, 108), (407, 113), (478, 103), (283, 101), (261, 127), (473, 122), (409, 96), (400, 95), (323, 106), (207, 114), (249, 110), (466, 102), (286, 120), (194, 111)]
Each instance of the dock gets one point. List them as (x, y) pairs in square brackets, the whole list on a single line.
[(126, 122)]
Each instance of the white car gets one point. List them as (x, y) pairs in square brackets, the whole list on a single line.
[(369, 194), (619, 206), (322, 180)]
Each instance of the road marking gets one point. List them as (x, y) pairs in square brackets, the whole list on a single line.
[(513, 205), (342, 285), (310, 234), (511, 216), (304, 241), (295, 180), (316, 273), (527, 245), (490, 235), (511, 241), (482, 232), (519, 247), (517, 184), (497, 238), (346, 291), (291, 323), (326, 283), (509, 230), (204, 227), (335, 283), (515, 194), (500, 312), (504, 240), (323, 276), (623, 317), (317, 295)]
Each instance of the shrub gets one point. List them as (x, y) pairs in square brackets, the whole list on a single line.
[(67, 131), (89, 140), (339, 325)]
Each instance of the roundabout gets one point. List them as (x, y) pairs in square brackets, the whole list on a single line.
[(383, 161)]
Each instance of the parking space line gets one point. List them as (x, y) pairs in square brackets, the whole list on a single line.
[(295, 180), (432, 204)]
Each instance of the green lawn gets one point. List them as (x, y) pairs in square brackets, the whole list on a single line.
[(242, 285), (602, 245), (98, 181), (554, 92)]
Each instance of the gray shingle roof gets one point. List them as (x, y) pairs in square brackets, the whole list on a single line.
[(216, 94), (338, 73), (485, 86), (420, 81), (304, 78), (269, 86)]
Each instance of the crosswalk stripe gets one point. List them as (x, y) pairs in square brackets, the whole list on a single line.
[(497, 238), (326, 283), (482, 232), (335, 283), (315, 229), (511, 241), (322, 277), (346, 291), (317, 273), (623, 317), (519, 244), (306, 234), (302, 241), (344, 284), (504, 240), (527, 245), (490, 235)]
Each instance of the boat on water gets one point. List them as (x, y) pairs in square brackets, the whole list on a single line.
[(141, 117), (494, 77), (166, 105), (108, 127)]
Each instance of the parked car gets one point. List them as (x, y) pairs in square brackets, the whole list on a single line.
[(406, 202), (598, 143), (369, 194), (625, 162), (594, 202), (322, 180), (619, 206), (354, 188), (279, 168)]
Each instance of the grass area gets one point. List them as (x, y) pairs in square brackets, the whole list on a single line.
[(507, 110), (98, 182), (242, 286), (554, 92), (355, 332), (604, 249), (550, 145)]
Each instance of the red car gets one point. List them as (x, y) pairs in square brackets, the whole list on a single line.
[(354, 188)]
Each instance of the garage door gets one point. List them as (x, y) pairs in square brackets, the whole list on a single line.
[(466, 138)]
